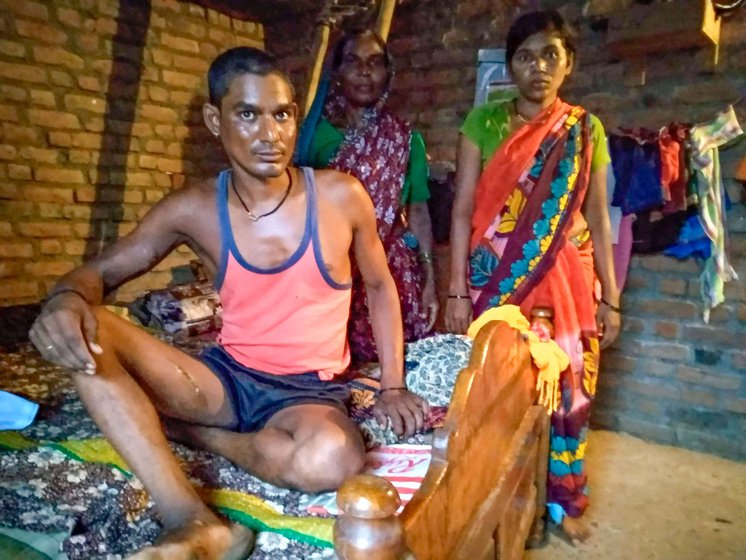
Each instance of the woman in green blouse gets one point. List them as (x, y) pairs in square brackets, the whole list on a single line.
[(358, 135)]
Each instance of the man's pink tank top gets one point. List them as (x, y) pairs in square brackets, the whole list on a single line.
[(288, 319)]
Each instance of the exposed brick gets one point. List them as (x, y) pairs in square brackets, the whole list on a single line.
[(708, 378), (58, 56), (61, 139), (57, 175), (11, 269), (664, 350), (88, 42), (42, 97), (181, 80), (12, 93), (80, 156), (29, 9), (154, 196), (16, 250), (7, 151), (75, 248), (39, 155), (50, 247), (21, 172), (89, 83), (61, 78), (672, 286), (8, 191), (667, 329), (87, 140), (671, 309), (44, 229), (180, 43), (11, 48), (47, 194), (18, 134), (86, 103), (661, 263), (196, 65), (617, 362), (699, 397), (713, 335), (6, 229), (15, 290), (739, 359), (22, 72), (158, 113), (40, 33), (16, 208), (69, 17), (170, 165), (55, 268), (54, 119), (155, 147)]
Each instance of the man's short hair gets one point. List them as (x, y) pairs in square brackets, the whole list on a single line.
[(236, 62)]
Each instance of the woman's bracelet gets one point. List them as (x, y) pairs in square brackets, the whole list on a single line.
[(614, 308), (393, 389), (62, 291), (458, 296)]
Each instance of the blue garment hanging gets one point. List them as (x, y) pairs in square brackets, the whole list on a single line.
[(308, 128)]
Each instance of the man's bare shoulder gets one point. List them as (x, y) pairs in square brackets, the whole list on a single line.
[(197, 193), (338, 187)]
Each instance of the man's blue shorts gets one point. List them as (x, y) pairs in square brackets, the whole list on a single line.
[(256, 396)]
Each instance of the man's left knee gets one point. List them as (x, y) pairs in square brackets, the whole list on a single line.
[(326, 460)]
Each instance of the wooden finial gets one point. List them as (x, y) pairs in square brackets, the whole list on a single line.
[(368, 528)]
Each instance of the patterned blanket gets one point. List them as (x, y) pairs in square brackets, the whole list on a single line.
[(59, 477)]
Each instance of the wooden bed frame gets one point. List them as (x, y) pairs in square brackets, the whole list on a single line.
[(484, 493)]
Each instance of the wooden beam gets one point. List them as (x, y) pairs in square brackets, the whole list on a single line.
[(385, 15)]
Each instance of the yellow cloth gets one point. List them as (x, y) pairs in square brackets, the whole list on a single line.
[(547, 355)]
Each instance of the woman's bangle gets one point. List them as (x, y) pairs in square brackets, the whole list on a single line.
[(62, 291), (393, 389), (426, 257), (458, 296), (614, 308)]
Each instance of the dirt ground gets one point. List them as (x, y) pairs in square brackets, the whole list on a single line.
[(658, 502)]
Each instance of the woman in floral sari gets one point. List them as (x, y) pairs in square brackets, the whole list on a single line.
[(358, 135), (530, 227)]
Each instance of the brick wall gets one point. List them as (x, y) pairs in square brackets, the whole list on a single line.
[(100, 116), (671, 378)]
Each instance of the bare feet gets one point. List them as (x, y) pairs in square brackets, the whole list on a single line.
[(198, 540), (576, 529)]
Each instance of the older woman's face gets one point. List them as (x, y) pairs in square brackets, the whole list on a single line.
[(540, 65), (363, 74)]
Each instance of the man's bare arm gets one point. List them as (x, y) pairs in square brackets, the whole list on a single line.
[(404, 410), (65, 331)]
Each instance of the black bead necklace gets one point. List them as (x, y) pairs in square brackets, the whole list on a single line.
[(253, 217)]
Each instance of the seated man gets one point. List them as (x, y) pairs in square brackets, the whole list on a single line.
[(278, 239)]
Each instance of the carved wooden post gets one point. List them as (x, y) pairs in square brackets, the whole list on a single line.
[(367, 528), (543, 316)]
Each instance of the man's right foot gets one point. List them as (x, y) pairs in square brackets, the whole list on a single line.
[(198, 540)]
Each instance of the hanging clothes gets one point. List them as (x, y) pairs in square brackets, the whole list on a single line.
[(637, 170), (705, 140)]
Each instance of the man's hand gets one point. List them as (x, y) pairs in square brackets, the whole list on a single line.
[(65, 333), (405, 411)]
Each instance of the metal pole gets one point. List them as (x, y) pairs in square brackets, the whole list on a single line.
[(385, 15)]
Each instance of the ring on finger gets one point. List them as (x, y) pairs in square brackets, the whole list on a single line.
[(50, 347)]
